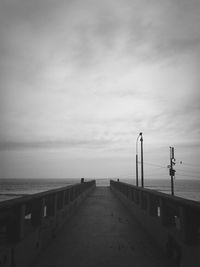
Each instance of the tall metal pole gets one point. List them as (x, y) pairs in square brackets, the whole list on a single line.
[(136, 167), (171, 170), (142, 163), (172, 178)]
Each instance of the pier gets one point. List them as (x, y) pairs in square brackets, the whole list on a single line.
[(83, 226)]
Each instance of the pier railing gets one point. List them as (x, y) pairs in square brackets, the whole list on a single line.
[(179, 216), (28, 223)]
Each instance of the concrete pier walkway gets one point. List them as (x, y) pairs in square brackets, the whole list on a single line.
[(102, 234)]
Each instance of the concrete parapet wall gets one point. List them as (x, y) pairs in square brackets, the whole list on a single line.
[(28, 224), (173, 222)]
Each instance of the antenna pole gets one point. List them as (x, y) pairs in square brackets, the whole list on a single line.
[(142, 163), (171, 169)]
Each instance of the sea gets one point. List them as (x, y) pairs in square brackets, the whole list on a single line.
[(15, 188)]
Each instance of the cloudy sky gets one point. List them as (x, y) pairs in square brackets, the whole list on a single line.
[(79, 79)]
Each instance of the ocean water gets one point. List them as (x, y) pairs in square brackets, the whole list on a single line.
[(13, 188), (186, 188)]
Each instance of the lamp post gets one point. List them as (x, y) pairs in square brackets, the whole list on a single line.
[(136, 167), (142, 181), (142, 168)]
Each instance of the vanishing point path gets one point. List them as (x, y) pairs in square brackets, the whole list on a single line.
[(102, 233)]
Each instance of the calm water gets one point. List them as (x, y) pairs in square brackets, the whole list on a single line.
[(12, 188)]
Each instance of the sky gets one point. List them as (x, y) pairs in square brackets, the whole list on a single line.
[(79, 80)]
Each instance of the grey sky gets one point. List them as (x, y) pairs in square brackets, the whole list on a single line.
[(80, 79)]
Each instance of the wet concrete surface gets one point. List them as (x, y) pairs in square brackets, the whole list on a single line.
[(102, 233)]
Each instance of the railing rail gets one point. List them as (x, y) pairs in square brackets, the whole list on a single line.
[(181, 214), (17, 216)]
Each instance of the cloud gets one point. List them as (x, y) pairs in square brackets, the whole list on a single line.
[(81, 35), (58, 144), (92, 74)]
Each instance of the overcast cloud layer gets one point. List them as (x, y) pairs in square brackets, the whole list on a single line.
[(80, 79)]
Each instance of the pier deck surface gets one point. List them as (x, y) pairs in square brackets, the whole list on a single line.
[(102, 234)]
